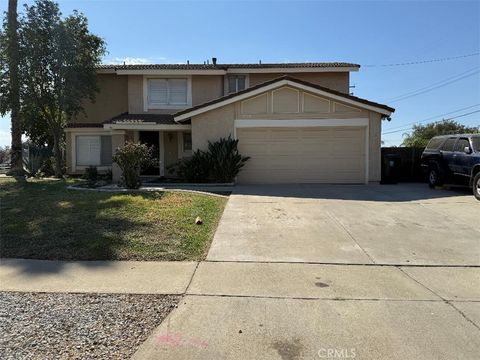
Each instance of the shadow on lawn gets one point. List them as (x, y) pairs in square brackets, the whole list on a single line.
[(43, 220)]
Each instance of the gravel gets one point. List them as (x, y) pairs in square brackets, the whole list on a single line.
[(78, 326)]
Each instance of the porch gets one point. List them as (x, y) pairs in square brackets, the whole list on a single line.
[(95, 146)]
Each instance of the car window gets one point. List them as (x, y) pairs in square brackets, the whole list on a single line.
[(435, 143), (449, 144), (476, 143), (462, 144)]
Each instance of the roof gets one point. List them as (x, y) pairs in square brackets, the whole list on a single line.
[(292, 80), (84, 125), (126, 118), (227, 66)]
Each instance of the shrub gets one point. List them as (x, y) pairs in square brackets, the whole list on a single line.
[(220, 163), (224, 159), (131, 158), (193, 169), (47, 168), (91, 175)]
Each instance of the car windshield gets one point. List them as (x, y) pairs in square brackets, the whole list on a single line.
[(476, 143)]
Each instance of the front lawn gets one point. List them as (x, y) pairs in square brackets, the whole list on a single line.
[(44, 220)]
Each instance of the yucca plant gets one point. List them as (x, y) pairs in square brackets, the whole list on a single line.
[(225, 162)]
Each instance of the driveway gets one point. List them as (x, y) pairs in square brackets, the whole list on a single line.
[(405, 224), (329, 272)]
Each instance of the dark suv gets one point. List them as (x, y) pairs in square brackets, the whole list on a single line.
[(449, 156)]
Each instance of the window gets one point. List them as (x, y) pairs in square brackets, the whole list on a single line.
[(435, 143), (448, 146), (476, 143), (163, 92), (236, 83), (187, 141), (93, 150), (462, 144)]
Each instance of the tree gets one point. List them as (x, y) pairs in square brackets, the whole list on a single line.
[(58, 58), (10, 84), (421, 134)]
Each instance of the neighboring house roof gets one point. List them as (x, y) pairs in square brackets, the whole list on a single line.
[(227, 66), (281, 81)]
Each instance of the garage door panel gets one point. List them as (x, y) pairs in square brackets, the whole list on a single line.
[(303, 155)]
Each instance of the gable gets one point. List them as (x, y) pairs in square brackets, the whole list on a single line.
[(286, 96), (290, 100)]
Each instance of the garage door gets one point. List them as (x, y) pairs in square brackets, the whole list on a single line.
[(303, 155)]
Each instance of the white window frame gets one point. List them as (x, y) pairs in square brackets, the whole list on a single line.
[(73, 139), (181, 152), (147, 106), (225, 83)]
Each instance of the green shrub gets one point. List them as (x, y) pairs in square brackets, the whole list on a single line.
[(193, 169), (91, 175), (131, 158), (220, 163), (224, 159), (47, 168)]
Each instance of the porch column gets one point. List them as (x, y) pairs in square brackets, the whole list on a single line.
[(161, 158), (118, 140)]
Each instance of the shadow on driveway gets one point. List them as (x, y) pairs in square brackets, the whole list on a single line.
[(383, 193)]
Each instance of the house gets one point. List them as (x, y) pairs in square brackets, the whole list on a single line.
[(297, 121)]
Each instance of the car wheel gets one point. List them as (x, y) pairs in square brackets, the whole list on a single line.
[(435, 177), (476, 186)]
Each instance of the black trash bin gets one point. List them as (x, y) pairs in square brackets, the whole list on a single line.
[(391, 168)]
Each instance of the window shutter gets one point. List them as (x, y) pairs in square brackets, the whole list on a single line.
[(88, 150), (178, 91), (157, 91)]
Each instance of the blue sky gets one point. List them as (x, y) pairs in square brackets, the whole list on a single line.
[(363, 32)]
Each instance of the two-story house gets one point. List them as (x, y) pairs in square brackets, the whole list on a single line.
[(296, 121)]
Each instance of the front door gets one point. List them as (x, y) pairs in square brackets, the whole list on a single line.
[(151, 138)]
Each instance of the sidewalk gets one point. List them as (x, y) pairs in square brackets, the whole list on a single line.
[(129, 277)]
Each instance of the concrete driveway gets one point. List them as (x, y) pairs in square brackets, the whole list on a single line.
[(407, 224), (332, 272)]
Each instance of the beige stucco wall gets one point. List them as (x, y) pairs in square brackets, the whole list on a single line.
[(217, 123), (110, 101), (338, 81), (212, 126), (206, 88), (135, 94), (375, 149), (170, 139)]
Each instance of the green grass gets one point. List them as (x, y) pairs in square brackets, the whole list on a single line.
[(44, 220)]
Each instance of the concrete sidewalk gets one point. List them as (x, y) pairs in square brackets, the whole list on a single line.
[(131, 277), (238, 310)]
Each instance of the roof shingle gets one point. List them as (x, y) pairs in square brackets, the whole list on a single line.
[(225, 66)]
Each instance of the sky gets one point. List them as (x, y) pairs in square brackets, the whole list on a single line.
[(420, 57)]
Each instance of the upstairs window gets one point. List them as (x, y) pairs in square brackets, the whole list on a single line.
[(167, 92), (236, 83)]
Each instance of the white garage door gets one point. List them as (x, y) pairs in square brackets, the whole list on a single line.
[(303, 155)]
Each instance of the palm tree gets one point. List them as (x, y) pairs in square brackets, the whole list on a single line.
[(13, 61)]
